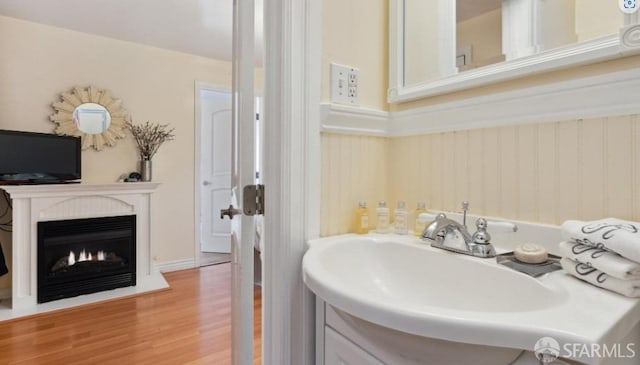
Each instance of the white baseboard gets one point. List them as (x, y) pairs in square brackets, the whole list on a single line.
[(175, 265)]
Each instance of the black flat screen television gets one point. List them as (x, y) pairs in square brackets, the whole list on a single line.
[(39, 158)]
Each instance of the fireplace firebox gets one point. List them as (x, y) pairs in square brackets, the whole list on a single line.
[(83, 256)]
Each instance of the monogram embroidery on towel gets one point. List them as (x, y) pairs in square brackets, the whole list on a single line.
[(587, 242), (585, 270), (609, 229), (581, 248)]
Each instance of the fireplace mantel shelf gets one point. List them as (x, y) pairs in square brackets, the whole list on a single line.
[(22, 191), (47, 202)]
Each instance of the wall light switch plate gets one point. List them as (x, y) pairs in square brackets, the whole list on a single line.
[(344, 84)]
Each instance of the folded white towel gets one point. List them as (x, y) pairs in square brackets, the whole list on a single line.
[(606, 261), (629, 288), (622, 237)]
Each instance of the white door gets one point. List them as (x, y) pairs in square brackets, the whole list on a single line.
[(215, 169), (243, 169)]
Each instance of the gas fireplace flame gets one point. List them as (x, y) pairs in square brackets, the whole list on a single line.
[(85, 256)]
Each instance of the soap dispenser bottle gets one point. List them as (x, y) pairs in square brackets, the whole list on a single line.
[(400, 218), (362, 218), (420, 223), (382, 213)]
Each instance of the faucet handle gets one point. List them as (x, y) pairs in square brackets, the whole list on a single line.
[(440, 234), (481, 237)]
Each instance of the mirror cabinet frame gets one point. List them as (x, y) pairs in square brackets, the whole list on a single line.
[(600, 49)]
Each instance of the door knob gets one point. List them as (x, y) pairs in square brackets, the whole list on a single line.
[(231, 211), (206, 183)]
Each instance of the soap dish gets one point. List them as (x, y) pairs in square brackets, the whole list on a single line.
[(552, 264)]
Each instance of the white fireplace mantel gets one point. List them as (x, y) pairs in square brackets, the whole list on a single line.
[(37, 203)]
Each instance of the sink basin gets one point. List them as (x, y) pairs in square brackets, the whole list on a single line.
[(419, 277), (403, 284)]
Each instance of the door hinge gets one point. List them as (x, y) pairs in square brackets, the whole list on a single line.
[(253, 199)]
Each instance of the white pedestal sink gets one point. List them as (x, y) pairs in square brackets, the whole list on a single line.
[(403, 285)]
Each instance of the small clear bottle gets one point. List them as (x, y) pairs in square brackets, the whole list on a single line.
[(382, 213), (420, 223), (400, 218), (362, 218)]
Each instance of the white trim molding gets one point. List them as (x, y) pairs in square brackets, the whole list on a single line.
[(597, 96), (630, 38), (291, 176), (353, 120), (175, 265), (519, 26), (198, 86), (597, 50)]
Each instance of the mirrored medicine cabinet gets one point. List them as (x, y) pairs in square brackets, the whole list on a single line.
[(440, 46)]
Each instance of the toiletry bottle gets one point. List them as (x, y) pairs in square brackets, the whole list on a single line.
[(400, 218), (362, 218), (382, 213), (420, 223)]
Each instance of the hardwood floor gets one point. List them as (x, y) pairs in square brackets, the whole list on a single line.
[(190, 323)]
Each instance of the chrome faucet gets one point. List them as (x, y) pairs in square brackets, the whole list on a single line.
[(450, 235)]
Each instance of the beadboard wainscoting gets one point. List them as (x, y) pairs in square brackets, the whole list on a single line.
[(563, 149), (354, 168), (541, 172), (548, 172)]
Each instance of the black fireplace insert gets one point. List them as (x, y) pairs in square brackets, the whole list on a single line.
[(83, 256)]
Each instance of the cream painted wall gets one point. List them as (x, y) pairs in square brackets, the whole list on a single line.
[(421, 27), (597, 18), (355, 33), (38, 62), (484, 34), (559, 23)]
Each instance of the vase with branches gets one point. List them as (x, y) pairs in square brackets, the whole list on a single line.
[(149, 137)]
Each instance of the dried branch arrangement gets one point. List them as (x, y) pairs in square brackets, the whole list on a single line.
[(149, 137)]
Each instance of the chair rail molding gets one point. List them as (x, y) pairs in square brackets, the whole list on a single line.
[(590, 97), (335, 118)]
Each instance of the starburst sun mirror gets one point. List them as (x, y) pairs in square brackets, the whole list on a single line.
[(92, 114)]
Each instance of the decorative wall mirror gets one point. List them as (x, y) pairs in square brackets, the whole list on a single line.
[(442, 46), (92, 114)]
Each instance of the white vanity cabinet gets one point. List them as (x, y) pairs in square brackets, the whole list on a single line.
[(342, 339), (371, 305), (333, 347), (339, 350)]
